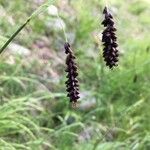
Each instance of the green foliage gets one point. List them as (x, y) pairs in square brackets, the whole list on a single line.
[(34, 111), (137, 7)]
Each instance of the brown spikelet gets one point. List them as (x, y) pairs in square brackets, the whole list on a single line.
[(72, 83), (109, 39)]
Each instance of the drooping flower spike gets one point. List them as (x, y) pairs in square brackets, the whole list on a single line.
[(72, 83), (109, 39)]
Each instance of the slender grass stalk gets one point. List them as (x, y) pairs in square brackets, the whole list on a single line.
[(34, 14), (64, 31), (13, 36)]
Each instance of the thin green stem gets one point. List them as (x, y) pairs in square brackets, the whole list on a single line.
[(106, 3), (13, 36), (35, 13), (64, 32)]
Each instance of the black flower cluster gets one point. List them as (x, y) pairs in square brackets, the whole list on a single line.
[(72, 83), (109, 39)]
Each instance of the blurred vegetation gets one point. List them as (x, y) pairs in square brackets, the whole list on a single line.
[(113, 113)]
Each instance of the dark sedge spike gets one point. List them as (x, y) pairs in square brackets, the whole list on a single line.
[(72, 84), (109, 40)]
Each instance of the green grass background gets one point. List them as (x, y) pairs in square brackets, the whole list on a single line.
[(34, 111)]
